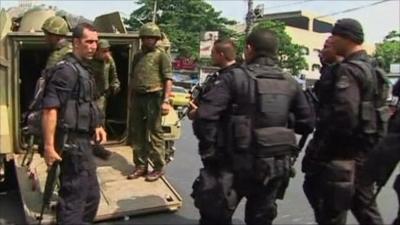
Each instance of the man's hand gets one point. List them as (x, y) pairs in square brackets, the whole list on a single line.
[(165, 107), (193, 110), (51, 156), (114, 90), (101, 135), (107, 57)]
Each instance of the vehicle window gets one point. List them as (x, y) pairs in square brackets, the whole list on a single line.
[(178, 89)]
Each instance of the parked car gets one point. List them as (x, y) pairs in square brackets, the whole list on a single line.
[(180, 97)]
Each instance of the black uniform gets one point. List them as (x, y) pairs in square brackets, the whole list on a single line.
[(206, 131), (237, 165), (383, 160), (335, 157), (71, 89)]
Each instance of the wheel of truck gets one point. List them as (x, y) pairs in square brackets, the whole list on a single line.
[(8, 178)]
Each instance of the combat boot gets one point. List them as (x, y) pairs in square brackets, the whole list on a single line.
[(139, 171), (154, 175), (101, 152)]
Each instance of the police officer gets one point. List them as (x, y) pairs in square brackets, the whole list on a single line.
[(322, 88), (70, 119), (382, 161), (151, 84), (252, 158), (223, 55), (335, 157), (56, 29), (107, 83)]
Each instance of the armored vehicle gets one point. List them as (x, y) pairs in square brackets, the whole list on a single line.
[(23, 54)]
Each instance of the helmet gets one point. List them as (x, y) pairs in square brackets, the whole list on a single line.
[(55, 25), (103, 43), (150, 30)]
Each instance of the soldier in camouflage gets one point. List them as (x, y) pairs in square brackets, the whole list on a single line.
[(107, 83), (105, 72), (151, 83), (55, 29)]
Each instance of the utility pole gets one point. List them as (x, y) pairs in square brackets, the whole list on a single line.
[(154, 11), (249, 16)]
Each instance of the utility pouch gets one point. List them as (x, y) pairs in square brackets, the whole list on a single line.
[(84, 115), (213, 193), (70, 115), (73, 160), (368, 117), (383, 116), (273, 141), (241, 132), (338, 183)]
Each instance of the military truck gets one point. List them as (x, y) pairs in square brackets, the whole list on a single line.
[(23, 53)]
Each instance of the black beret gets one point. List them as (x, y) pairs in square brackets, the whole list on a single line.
[(350, 29)]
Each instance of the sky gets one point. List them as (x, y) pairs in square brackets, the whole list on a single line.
[(378, 20)]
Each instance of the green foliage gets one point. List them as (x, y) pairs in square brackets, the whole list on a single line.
[(183, 21), (290, 55), (388, 52)]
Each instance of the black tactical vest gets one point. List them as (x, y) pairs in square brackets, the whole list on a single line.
[(80, 112), (260, 111)]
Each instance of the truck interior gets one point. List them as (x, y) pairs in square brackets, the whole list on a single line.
[(33, 59)]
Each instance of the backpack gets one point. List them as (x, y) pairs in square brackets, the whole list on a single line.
[(378, 97), (32, 119)]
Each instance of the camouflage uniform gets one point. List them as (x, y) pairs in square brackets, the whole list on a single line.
[(106, 77), (56, 25), (63, 47), (151, 68)]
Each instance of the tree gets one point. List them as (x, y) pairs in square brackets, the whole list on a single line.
[(183, 21), (389, 51), (290, 55)]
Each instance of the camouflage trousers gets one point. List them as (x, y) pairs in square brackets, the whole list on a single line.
[(102, 104), (146, 130)]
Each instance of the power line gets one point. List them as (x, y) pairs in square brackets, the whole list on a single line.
[(353, 9), (289, 4)]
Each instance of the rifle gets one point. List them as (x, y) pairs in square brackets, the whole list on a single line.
[(195, 92), (51, 181)]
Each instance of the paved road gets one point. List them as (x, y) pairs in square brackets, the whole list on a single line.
[(181, 173)]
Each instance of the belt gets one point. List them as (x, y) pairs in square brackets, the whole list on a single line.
[(150, 89)]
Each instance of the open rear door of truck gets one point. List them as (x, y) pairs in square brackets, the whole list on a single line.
[(119, 197)]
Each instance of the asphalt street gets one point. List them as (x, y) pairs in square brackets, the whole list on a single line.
[(294, 209)]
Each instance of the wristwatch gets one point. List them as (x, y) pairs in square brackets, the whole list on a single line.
[(166, 100)]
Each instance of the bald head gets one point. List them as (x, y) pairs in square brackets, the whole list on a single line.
[(328, 54)]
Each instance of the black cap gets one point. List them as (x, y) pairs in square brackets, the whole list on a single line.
[(350, 29)]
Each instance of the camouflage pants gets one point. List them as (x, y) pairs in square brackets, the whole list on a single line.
[(147, 135), (102, 104)]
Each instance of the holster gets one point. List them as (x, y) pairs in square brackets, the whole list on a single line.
[(338, 183), (213, 192)]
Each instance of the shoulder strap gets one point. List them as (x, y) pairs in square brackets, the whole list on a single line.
[(366, 68)]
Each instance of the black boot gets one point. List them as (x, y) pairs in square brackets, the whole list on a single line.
[(101, 152)]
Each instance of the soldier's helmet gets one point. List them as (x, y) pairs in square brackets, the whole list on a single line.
[(55, 25), (150, 30), (103, 43)]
